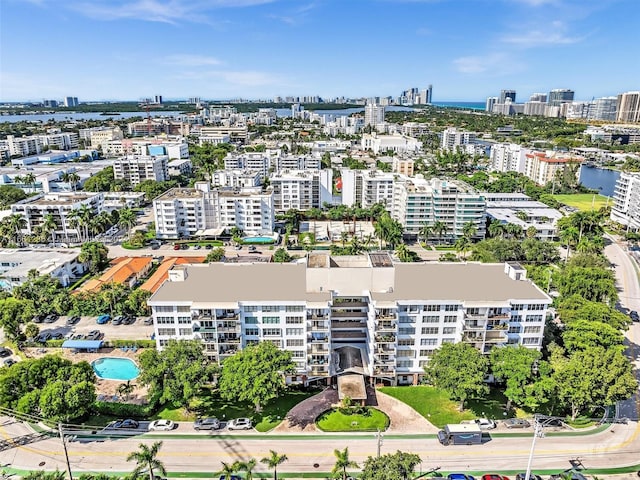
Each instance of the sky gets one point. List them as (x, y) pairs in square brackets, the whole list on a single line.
[(259, 49)]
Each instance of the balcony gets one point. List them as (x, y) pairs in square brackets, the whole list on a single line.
[(385, 326), (314, 316), (318, 361), (339, 303), (499, 316), (229, 328), (320, 371), (318, 339), (385, 315), (475, 315), (348, 334), (496, 336), (348, 325), (321, 349), (343, 314), (384, 371), (228, 340), (475, 324), (385, 339), (319, 326)]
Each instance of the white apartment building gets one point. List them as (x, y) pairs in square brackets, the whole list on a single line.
[(543, 167), (179, 166), (360, 314), (418, 202), (301, 189), (367, 187), (373, 114), (60, 140), (178, 149), (135, 169), (59, 205), (519, 209), (452, 138), (186, 212), (389, 143), (250, 161), (236, 178), (15, 265), (507, 157), (626, 200), (297, 162), (100, 136), (236, 133)]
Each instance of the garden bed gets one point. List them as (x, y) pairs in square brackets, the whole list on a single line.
[(362, 419)]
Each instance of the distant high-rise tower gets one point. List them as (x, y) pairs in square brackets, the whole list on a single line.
[(491, 101), (430, 94), (538, 97), (559, 96), (628, 107), (605, 108), (157, 99), (70, 101), (504, 94), (373, 114)]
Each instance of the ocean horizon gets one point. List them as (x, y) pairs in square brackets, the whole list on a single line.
[(466, 105)]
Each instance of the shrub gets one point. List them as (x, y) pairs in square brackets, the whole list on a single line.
[(123, 410)]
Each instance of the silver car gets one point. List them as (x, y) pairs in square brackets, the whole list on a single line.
[(239, 424)]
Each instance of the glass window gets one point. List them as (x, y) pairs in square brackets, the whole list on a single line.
[(429, 330), (271, 320)]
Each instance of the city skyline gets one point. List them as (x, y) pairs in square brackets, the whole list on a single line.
[(223, 49)]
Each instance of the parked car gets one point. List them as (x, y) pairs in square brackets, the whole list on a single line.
[(129, 320), (148, 321), (483, 423), (117, 320), (78, 336), (52, 317), (94, 335), (459, 476), (231, 477), (516, 423), (102, 319), (43, 337), (493, 476), (239, 424), (252, 248), (127, 423), (38, 319), (238, 247), (5, 352), (209, 423), (73, 320), (197, 247), (162, 425), (634, 316), (176, 247), (57, 336), (8, 362), (155, 246), (532, 476), (208, 246)]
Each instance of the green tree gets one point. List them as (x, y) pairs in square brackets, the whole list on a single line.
[(215, 255), (256, 374), (49, 227), (42, 475), (515, 367), (31, 330), (575, 308), (458, 369), (281, 256), (587, 334), (594, 284), (146, 458), (95, 254), (10, 195), (342, 463), (246, 467), (13, 313), (178, 373), (403, 252), (127, 219), (440, 229), (391, 466), (274, 460)]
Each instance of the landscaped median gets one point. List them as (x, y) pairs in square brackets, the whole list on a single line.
[(352, 419)]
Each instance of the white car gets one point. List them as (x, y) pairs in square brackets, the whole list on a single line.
[(239, 424), (162, 425), (485, 423)]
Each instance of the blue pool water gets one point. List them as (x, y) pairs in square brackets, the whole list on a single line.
[(258, 240), (112, 368)]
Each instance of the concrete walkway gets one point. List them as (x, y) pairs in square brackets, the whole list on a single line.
[(403, 419)]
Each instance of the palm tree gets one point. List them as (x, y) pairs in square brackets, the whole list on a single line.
[(496, 229), (247, 467), (128, 220), (228, 470), (462, 244), (522, 215), (569, 236), (344, 236), (17, 223), (273, 461), (426, 231), (513, 230), (146, 459), (49, 227), (469, 230), (440, 228), (403, 253), (30, 179), (86, 214), (342, 463), (531, 232), (125, 389)]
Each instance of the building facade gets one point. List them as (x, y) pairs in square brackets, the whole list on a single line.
[(543, 167), (507, 157), (626, 200), (367, 187), (301, 189), (360, 314), (628, 107), (135, 169)]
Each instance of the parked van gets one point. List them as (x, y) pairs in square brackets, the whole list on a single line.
[(460, 434)]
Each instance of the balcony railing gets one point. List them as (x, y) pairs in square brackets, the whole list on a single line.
[(501, 316), (475, 325), (347, 325), (387, 370), (386, 326), (317, 348), (385, 315), (344, 334), (319, 371), (385, 338), (322, 339), (319, 326), (341, 314)]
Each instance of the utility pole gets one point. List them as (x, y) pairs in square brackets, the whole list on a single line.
[(537, 432), (66, 454), (379, 437)]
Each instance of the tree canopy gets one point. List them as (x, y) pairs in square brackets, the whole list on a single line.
[(391, 466), (515, 367)]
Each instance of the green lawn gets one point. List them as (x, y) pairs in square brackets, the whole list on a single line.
[(335, 421), (583, 201), (435, 406), (213, 406)]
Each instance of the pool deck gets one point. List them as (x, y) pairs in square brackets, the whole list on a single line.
[(106, 390)]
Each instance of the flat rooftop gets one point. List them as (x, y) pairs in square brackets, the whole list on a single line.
[(43, 260)]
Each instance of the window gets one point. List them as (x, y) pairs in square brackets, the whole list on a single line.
[(517, 306), (251, 308), (294, 320), (166, 331), (432, 308), (271, 320), (516, 318), (532, 329), (533, 318), (448, 340), (163, 308), (251, 320), (298, 354), (184, 320), (451, 308), (426, 353), (407, 320), (423, 363), (413, 308), (406, 353), (448, 330), (294, 308), (405, 363), (473, 311), (428, 341), (272, 332), (536, 306), (514, 329), (431, 319), (270, 308), (294, 331), (295, 342), (405, 342), (185, 331), (406, 331), (450, 319), (164, 320), (429, 330), (530, 341), (252, 331), (184, 309)]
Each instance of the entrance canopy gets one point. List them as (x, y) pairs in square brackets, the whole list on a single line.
[(89, 345), (352, 386)]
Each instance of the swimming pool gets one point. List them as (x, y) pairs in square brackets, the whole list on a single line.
[(112, 368), (249, 240)]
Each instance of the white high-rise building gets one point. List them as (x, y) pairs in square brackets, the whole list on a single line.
[(135, 169), (605, 108), (249, 160), (507, 157), (491, 101), (185, 212), (628, 107), (382, 319), (301, 189), (626, 200), (367, 187), (373, 114), (452, 138)]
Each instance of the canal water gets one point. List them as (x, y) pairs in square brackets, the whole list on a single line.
[(599, 179)]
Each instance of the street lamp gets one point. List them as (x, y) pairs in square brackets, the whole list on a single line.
[(539, 422)]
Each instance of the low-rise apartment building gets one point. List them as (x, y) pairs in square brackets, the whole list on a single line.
[(519, 209), (543, 167), (15, 265), (248, 161), (186, 212), (507, 157), (135, 169), (361, 314), (301, 189), (367, 187), (237, 178), (390, 143)]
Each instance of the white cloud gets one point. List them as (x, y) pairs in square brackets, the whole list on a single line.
[(553, 34), (494, 63), (190, 60)]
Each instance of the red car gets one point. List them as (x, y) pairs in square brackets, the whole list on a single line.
[(176, 247), (493, 476)]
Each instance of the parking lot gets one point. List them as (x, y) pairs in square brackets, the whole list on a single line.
[(136, 331)]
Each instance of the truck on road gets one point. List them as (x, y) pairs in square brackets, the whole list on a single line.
[(460, 434)]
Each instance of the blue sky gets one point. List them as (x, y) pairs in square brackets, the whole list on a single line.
[(221, 49)]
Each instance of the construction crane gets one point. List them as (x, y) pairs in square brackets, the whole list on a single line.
[(145, 105)]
